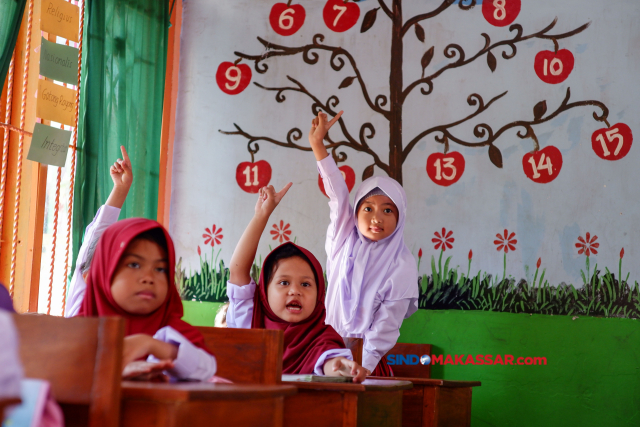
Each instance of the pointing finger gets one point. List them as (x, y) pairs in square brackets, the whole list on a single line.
[(335, 119), (284, 190)]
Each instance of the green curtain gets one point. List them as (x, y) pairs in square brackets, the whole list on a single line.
[(123, 71), (10, 18)]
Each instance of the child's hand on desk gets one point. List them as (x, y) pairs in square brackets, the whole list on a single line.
[(147, 371), (141, 345), (268, 199), (342, 367)]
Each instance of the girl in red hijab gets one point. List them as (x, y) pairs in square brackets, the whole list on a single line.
[(290, 297), (132, 276)]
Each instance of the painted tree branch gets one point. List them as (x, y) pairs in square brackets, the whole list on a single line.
[(385, 8), (310, 57), (444, 6), (453, 50), (481, 130), (316, 107)]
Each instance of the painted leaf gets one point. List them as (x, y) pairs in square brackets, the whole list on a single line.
[(346, 82), (495, 156), (426, 59), (539, 110), (368, 172), (419, 32), (369, 20), (491, 61)]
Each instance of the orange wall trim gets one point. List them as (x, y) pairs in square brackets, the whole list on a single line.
[(169, 115)]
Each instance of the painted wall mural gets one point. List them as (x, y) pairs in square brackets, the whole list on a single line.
[(509, 123)]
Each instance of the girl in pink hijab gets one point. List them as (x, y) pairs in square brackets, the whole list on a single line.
[(372, 275)]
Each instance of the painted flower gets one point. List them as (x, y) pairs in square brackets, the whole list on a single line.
[(213, 236), (470, 254), (281, 233), (443, 241), (539, 263), (199, 251), (420, 253), (507, 242), (621, 253), (587, 245)]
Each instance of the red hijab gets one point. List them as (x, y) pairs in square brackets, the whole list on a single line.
[(304, 342), (98, 300)]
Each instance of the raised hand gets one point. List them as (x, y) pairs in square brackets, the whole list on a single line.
[(121, 172), (319, 128), (268, 199)]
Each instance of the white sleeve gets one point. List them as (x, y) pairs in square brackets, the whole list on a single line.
[(341, 213), (384, 331), (192, 363), (240, 309), (106, 216), (331, 354), (10, 366)]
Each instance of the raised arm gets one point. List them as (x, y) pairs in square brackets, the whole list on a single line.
[(335, 187), (245, 252), (122, 176)]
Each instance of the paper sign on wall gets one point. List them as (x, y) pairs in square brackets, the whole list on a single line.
[(60, 18), (49, 145), (59, 62), (56, 103)]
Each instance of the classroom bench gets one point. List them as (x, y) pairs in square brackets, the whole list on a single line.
[(371, 403), (195, 404)]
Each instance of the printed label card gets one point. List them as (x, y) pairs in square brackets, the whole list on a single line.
[(49, 145), (60, 18), (56, 103), (59, 62)]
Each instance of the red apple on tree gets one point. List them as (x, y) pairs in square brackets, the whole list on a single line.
[(347, 173), (286, 19), (340, 15), (501, 12), (542, 166), (553, 67), (612, 143), (233, 78), (253, 176), (445, 169)]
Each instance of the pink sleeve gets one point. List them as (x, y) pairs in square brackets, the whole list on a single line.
[(341, 212)]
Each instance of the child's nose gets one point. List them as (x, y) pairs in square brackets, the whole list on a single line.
[(295, 290), (147, 275)]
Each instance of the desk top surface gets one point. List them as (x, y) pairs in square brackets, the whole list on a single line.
[(434, 382), (377, 384), (195, 391)]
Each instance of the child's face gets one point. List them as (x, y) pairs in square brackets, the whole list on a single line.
[(140, 283), (292, 291), (377, 217)]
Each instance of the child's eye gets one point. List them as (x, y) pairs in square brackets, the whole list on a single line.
[(283, 283), (367, 209), (388, 211), (161, 270), (306, 284), (133, 265)]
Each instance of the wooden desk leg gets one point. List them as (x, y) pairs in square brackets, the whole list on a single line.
[(315, 408), (350, 410), (447, 407), (413, 407), (380, 409)]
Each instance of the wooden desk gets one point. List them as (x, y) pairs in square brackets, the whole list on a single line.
[(5, 403), (437, 403), (202, 404), (372, 403)]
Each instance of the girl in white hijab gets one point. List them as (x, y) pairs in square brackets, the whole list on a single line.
[(373, 278)]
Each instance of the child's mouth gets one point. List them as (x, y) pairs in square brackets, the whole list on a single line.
[(294, 307), (376, 229), (146, 295)]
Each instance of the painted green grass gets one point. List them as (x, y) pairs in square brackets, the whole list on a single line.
[(210, 283), (601, 294)]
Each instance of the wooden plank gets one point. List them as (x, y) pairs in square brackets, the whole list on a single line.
[(246, 356), (80, 357), (367, 385), (414, 371), (203, 404), (355, 345), (432, 381)]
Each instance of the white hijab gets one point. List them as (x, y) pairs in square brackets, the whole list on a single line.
[(386, 267)]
